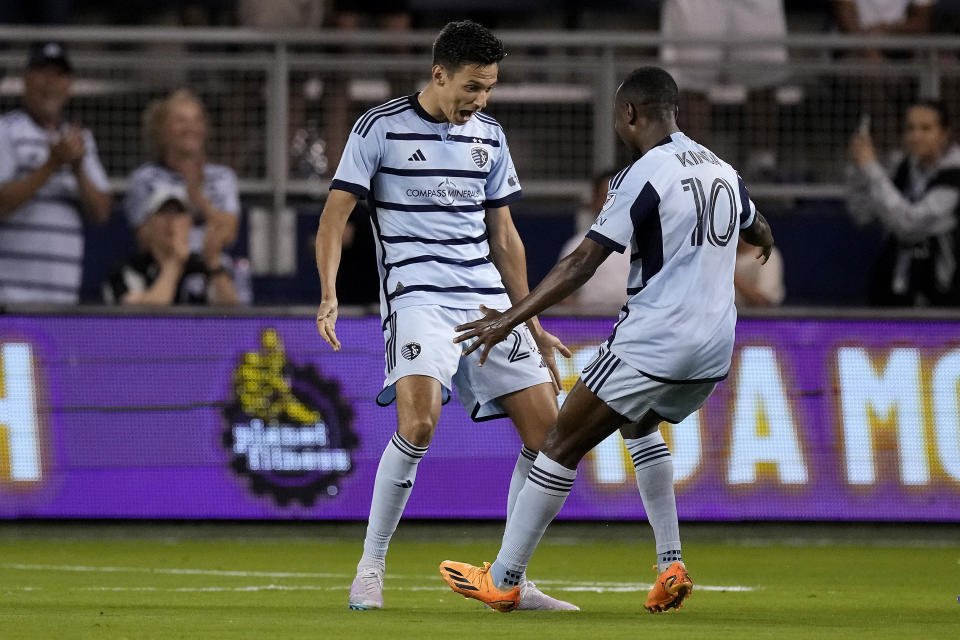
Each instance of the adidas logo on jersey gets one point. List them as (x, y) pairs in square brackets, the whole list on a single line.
[(417, 157)]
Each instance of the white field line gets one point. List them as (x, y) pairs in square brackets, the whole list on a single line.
[(623, 588), (556, 585), (189, 572)]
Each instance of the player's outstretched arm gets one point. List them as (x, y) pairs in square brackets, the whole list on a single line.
[(334, 218), (509, 255), (567, 276), (760, 235)]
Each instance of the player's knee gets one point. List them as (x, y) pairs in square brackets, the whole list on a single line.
[(563, 449), (417, 431)]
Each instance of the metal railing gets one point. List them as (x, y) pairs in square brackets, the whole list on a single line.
[(281, 103)]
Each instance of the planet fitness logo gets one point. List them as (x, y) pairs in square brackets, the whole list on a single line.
[(288, 430)]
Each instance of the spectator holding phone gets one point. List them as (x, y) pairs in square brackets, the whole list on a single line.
[(917, 206)]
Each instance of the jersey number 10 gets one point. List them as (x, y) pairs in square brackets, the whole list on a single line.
[(721, 197)]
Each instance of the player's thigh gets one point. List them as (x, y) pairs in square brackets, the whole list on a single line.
[(418, 408), (512, 366), (533, 412), (584, 422)]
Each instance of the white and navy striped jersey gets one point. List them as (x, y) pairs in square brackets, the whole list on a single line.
[(428, 184), (219, 186), (41, 242), (678, 210)]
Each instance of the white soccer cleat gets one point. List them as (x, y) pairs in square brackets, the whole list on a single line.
[(366, 592), (531, 598)]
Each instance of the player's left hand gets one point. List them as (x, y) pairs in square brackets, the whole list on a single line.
[(549, 344), (487, 332)]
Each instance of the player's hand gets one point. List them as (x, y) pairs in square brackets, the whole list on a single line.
[(763, 253), (487, 332), (326, 322), (549, 344)]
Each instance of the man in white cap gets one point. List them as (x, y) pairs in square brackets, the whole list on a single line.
[(50, 181)]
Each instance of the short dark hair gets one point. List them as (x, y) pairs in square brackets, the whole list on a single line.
[(466, 42), (653, 90), (938, 106)]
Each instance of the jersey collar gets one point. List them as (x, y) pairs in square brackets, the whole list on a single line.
[(420, 110)]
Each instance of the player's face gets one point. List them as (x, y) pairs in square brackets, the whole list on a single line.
[(46, 90), (925, 136), (185, 127), (466, 91)]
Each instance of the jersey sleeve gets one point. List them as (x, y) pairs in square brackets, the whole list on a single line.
[(358, 164), (502, 186), (622, 212)]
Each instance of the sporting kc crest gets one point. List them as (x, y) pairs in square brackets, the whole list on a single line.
[(480, 156)]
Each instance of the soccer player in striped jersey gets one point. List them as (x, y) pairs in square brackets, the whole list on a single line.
[(438, 179), (677, 210)]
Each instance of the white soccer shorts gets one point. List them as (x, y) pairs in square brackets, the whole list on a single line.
[(419, 341), (631, 393)]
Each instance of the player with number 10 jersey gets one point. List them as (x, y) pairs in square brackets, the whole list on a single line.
[(665, 208)]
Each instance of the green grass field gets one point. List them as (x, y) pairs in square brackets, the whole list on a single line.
[(65, 581)]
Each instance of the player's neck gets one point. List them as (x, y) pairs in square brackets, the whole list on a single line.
[(430, 102), (654, 134)]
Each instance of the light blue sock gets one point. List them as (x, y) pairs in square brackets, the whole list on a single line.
[(391, 489), (520, 471), (547, 487), (654, 468)]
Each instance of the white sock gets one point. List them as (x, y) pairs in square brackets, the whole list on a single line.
[(520, 471), (654, 467), (391, 489), (547, 487)]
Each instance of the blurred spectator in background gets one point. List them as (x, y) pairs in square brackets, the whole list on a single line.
[(166, 271), (746, 73), (307, 149), (883, 97), (36, 11), (606, 291), (882, 17), (50, 177), (281, 14), (917, 207), (755, 283), (348, 15), (175, 129)]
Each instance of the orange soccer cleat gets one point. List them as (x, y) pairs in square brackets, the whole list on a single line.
[(670, 589), (475, 582)]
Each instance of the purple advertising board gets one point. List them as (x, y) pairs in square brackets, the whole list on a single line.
[(255, 417)]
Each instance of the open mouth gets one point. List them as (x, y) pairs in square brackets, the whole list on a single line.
[(465, 114)]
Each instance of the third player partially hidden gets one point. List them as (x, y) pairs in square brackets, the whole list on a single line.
[(677, 209)]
